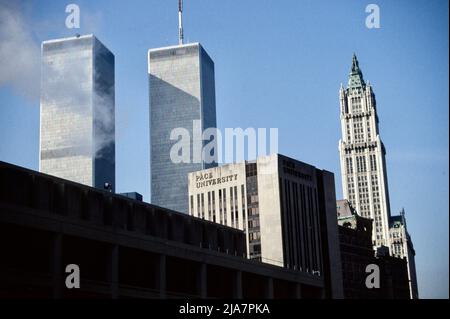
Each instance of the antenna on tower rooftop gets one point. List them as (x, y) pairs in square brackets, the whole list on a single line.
[(180, 22)]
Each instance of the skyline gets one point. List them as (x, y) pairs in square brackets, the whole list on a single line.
[(313, 92)]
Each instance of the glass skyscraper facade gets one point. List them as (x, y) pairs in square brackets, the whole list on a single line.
[(182, 96), (77, 131)]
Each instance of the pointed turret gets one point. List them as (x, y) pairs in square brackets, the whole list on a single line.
[(355, 64), (356, 78), (402, 214), (343, 99)]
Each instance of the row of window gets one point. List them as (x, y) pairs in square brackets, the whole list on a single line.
[(398, 250), (361, 166), (359, 130), (254, 236), (254, 223), (208, 211)]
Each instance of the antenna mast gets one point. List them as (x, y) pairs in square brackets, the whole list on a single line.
[(180, 22)]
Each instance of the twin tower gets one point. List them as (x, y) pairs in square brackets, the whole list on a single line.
[(77, 118)]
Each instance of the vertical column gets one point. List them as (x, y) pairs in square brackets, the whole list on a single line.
[(269, 288), (202, 281), (238, 284), (114, 271), (389, 286), (298, 291), (56, 267), (161, 276)]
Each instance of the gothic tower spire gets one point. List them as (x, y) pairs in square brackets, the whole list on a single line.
[(355, 79), (355, 63)]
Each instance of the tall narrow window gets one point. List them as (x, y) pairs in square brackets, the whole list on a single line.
[(231, 207), (213, 205), (236, 208), (224, 191), (209, 205), (203, 205), (373, 163), (198, 206), (243, 206), (220, 207)]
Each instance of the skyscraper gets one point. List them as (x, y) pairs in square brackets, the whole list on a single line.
[(363, 165), (77, 111), (182, 96), (182, 108)]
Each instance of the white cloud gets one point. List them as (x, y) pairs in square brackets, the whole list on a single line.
[(19, 51)]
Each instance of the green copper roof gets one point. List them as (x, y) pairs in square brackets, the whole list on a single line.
[(355, 79), (398, 220)]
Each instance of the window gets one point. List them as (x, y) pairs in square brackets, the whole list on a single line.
[(224, 192), (203, 205), (198, 205), (349, 165), (231, 207), (373, 163), (236, 208), (213, 194), (243, 205), (209, 205), (220, 207)]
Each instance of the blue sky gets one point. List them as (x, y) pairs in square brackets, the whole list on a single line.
[(278, 64)]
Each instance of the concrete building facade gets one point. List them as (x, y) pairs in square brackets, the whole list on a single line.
[(124, 248), (285, 207), (182, 107), (77, 130), (355, 237)]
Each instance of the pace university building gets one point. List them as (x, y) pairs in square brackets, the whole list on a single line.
[(286, 208), (77, 111)]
